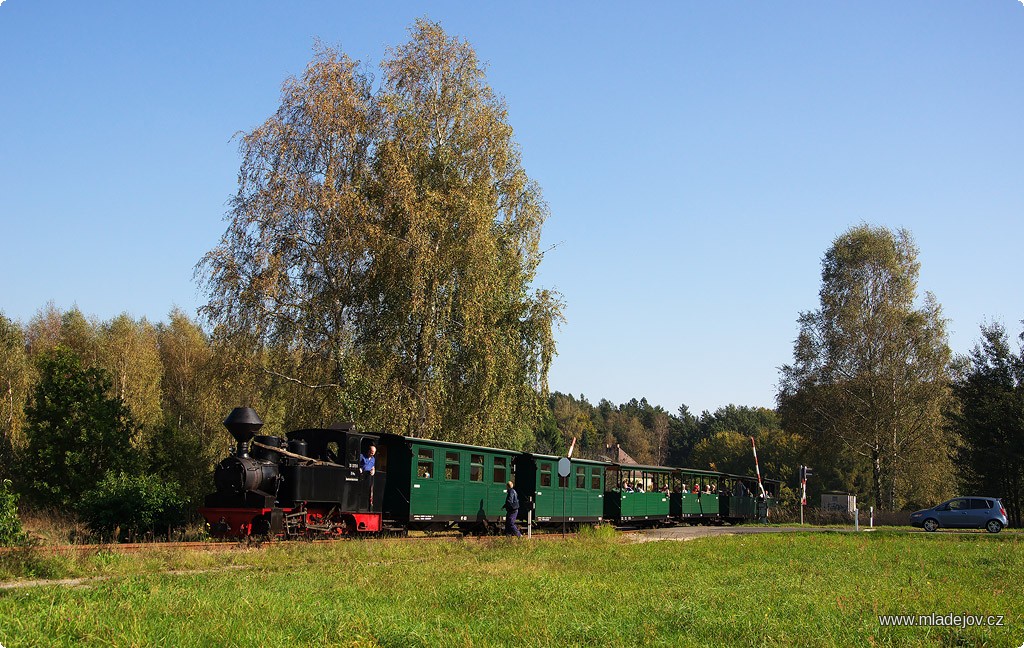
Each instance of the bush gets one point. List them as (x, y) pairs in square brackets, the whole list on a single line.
[(132, 505), (10, 524), (72, 423)]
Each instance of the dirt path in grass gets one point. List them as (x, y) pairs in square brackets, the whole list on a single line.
[(90, 580)]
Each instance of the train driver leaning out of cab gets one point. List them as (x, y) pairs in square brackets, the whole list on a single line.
[(367, 468), (367, 462)]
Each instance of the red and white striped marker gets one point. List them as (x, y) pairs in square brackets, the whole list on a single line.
[(757, 468)]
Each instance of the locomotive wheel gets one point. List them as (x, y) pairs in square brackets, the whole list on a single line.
[(261, 527)]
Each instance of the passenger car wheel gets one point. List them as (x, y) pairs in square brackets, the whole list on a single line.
[(994, 526), (931, 525)]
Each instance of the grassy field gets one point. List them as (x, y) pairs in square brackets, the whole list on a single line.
[(822, 589)]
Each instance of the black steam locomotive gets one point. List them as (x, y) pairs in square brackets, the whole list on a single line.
[(309, 484)]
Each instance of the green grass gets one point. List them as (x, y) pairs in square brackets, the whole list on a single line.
[(769, 589)]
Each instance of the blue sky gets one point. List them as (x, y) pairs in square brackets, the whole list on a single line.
[(698, 158)]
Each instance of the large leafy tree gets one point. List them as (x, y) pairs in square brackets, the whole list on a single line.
[(382, 246), (14, 385), (573, 419), (990, 420), (129, 353), (190, 439), (76, 431), (869, 380)]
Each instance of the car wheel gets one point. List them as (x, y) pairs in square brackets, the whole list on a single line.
[(931, 524), (994, 526)]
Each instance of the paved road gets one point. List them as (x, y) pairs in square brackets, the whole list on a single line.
[(690, 532)]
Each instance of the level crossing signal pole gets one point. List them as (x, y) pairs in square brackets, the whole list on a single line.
[(805, 472)]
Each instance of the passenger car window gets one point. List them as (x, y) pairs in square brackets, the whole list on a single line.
[(595, 479), (500, 470), (425, 463), (545, 474), (981, 504), (581, 478), (451, 465), (476, 467), (958, 505)]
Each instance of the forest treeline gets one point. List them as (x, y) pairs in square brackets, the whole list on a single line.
[(86, 400)]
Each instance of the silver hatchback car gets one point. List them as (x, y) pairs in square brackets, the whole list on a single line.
[(963, 513)]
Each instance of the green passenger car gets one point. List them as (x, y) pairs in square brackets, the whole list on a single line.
[(638, 494), (741, 499), (574, 500), (696, 495), (437, 485)]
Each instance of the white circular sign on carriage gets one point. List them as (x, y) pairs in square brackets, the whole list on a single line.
[(563, 467)]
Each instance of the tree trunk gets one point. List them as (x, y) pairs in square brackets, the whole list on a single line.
[(876, 475)]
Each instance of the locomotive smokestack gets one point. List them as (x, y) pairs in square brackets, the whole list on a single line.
[(243, 423)]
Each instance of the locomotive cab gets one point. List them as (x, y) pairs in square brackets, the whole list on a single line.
[(333, 476)]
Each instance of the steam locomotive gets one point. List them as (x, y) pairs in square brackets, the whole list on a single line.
[(310, 485)]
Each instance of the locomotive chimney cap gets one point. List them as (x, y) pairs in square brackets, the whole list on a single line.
[(243, 423)]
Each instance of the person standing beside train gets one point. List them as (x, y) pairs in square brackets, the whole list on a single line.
[(511, 507)]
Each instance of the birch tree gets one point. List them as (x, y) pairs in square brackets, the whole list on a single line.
[(869, 380), (383, 244)]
